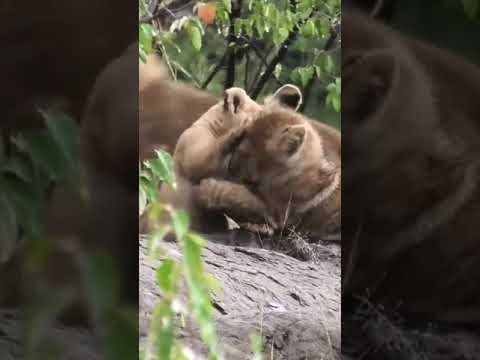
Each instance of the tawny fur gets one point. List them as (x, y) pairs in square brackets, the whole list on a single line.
[(202, 153), (166, 108), (202, 148), (286, 162)]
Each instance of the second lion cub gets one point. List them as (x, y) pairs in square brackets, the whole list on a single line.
[(293, 164)]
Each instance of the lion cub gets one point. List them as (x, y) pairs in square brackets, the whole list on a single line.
[(202, 152), (285, 160)]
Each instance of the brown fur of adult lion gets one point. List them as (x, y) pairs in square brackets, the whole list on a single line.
[(411, 124), (293, 165)]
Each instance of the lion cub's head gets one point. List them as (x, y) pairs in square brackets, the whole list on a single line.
[(281, 157)]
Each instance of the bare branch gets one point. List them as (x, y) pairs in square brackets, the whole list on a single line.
[(215, 70), (247, 69), (282, 52)]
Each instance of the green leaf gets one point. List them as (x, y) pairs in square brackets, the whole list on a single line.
[(309, 29), (162, 327), (238, 26), (248, 26), (329, 65), (302, 75), (45, 153), (336, 103), (228, 5), (306, 74), (162, 167), (155, 239), (260, 29), (146, 35), (150, 189), (65, 132), (323, 26), (180, 223), (142, 54), (283, 34), (166, 275), (257, 346), (195, 37)]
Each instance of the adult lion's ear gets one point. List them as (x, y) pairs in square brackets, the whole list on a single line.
[(288, 96), (291, 139)]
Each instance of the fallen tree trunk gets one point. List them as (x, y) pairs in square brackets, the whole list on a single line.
[(294, 305)]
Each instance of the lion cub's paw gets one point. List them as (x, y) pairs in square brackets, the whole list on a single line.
[(232, 139), (209, 193)]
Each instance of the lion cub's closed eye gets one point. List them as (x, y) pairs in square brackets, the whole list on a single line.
[(202, 148)]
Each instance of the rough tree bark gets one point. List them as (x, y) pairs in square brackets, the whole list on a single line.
[(294, 305)]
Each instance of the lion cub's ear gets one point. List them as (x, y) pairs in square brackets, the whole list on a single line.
[(288, 96), (291, 139), (234, 99)]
